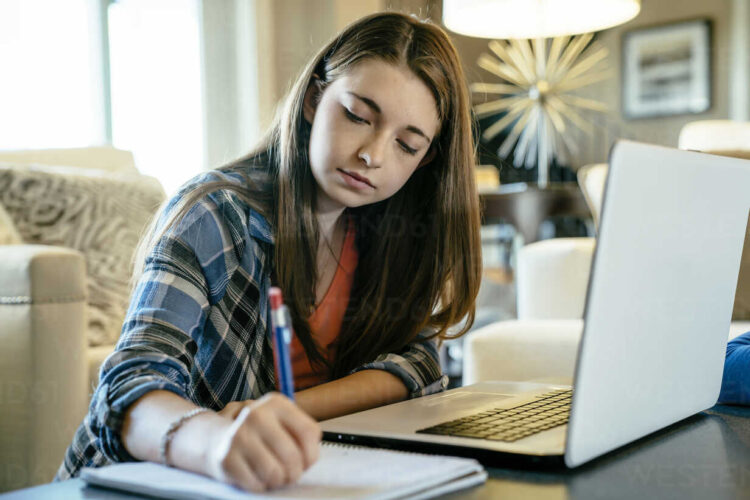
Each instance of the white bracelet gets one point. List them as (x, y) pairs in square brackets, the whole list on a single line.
[(166, 439)]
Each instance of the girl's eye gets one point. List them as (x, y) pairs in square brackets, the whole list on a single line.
[(406, 148), (353, 117), (356, 119)]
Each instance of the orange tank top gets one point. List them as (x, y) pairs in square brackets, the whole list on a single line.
[(325, 321)]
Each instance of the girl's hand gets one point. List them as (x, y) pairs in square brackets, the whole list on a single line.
[(269, 444), (233, 409)]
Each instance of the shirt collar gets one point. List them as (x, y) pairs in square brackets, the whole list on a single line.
[(259, 227)]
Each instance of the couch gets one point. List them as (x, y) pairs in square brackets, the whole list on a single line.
[(541, 344), (69, 223)]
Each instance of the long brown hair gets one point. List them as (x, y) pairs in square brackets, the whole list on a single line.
[(419, 251)]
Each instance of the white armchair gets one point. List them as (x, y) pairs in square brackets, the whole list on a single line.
[(44, 368), (67, 234), (552, 279), (542, 343)]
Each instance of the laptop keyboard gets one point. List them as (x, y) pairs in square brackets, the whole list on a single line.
[(548, 410)]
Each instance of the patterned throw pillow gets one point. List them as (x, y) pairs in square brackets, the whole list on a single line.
[(101, 214), (8, 232)]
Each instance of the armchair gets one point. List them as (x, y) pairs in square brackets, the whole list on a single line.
[(70, 232)]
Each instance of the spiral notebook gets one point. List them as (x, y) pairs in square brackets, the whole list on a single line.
[(342, 471)]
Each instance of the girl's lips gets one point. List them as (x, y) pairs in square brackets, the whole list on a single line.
[(355, 181)]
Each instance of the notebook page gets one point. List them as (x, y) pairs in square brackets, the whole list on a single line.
[(340, 472), (347, 469)]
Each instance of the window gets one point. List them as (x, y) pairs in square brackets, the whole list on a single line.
[(51, 86), (155, 68), (53, 92)]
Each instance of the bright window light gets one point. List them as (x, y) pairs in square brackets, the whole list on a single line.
[(155, 65), (51, 83)]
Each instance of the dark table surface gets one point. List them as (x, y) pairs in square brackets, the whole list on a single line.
[(706, 456)]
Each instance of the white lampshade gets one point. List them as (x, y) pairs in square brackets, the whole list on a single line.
[(535, 18)]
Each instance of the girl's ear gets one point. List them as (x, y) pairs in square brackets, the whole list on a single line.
[(429, 156), (312, 98)]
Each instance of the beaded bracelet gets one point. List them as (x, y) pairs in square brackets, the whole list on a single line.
[(166, 439)]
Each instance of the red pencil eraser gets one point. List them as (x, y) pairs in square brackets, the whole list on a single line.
[(274, 295)]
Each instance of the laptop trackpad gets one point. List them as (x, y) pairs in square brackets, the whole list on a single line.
[(459, 400)]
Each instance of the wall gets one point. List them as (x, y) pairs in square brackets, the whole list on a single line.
[(302, 27), (252, 51), (665, 130)]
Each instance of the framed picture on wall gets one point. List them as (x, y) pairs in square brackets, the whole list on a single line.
[(666, 70)]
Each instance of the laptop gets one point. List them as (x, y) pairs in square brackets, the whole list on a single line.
[(657, 316)]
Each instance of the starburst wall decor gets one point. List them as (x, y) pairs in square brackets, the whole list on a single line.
[(536, 101)]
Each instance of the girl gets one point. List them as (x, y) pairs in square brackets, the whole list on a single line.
[(360, 205)]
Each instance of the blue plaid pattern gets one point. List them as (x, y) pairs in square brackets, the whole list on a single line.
[(198, 325)]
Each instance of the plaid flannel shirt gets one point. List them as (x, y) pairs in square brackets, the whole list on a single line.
[(198, 325)]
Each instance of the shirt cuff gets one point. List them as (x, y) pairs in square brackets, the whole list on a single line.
[(415, 384), (121, 387)]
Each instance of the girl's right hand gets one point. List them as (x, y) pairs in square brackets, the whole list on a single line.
[(269, 444)]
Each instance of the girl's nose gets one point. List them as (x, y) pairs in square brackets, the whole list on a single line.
[(372, 152)]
